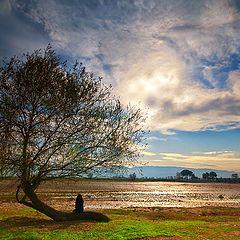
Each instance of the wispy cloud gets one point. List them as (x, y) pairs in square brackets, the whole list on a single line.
[(147, 153), (169, 56), (220, 160), (154, 138), (18, 34), (5, 7), (214, 153)]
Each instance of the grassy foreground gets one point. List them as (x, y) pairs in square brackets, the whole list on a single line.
[(19, 222)]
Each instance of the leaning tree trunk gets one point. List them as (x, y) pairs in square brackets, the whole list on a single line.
[(54, 214)]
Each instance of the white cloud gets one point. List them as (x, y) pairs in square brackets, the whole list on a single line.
[(146, 153), (213, 153), (154, 138), (163, 81), (152, 50), (174, 102)]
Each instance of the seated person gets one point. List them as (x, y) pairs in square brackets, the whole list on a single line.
[(79, 204)]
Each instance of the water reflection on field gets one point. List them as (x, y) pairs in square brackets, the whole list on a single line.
[(122, 194), (111, 194)]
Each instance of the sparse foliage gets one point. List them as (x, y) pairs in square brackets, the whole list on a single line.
[(63, 122)]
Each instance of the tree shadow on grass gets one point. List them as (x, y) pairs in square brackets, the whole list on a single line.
[(16, 223)]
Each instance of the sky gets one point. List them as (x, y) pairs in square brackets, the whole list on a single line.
[(177, 60)]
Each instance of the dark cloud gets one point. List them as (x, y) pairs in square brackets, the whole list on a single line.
[(19, 34), (226, 106)]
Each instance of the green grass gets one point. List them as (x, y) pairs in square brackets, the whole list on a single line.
[(24, 223), (122, 229)]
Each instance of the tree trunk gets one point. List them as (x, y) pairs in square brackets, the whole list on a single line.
[(56, 215)]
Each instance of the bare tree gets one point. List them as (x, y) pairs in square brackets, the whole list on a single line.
[(59, 122)]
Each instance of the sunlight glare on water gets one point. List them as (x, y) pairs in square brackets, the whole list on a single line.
[(113, 194)]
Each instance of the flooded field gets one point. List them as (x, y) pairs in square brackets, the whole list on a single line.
[(118, 194)]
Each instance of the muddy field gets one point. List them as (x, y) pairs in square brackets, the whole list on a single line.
[(120, 194)]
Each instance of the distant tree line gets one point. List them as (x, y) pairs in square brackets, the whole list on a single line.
[(187, 175), (209, 176), (235, 176), (206, 176)]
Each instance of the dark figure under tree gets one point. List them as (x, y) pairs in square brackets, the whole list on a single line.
[(79, 204)]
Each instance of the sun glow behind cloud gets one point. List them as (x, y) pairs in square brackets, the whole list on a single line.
[(174, 102)]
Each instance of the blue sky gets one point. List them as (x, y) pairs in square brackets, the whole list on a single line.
[(177, 59)]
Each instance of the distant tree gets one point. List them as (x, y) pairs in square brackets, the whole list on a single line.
[(186, 174), (235, 176), (178, 175), (132, 176), (90, 175), (194, 177), (60, 122), (212, 175), (205, 176)]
